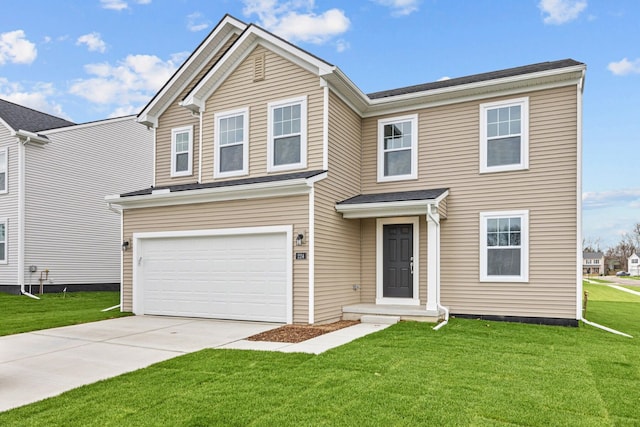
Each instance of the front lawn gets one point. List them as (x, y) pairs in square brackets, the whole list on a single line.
[(20, 313), (470, 372)]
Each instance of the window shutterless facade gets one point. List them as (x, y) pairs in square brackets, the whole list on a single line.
[(181, 151), (231, 143), (504, 135), (504, 246), (398, 148), (4, 157), (287, 139), (3, 241)]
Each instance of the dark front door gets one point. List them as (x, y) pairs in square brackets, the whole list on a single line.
[(397, 259)]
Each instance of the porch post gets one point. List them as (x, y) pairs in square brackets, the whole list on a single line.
[(433, 262)]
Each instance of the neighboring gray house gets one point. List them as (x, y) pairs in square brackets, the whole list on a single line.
[(54, 225), (593, 263)]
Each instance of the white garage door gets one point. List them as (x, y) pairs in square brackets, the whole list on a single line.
[(242, 277)]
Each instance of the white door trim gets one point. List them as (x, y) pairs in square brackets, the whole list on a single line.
[(138, 291), (380, 222)]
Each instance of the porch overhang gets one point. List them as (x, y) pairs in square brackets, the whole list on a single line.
[(380, 205)]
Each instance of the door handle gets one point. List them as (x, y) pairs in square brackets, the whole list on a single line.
[(411, 265)]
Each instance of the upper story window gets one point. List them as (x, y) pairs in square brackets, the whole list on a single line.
[(287, 128), (398, 148), (181, 151), (504, 135), (634, 261), (231, 143), (3, 170), (3, 241), (504, 246)]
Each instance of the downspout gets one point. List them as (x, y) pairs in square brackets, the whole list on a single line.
[(21, 214), (437, 282), (200, 149)]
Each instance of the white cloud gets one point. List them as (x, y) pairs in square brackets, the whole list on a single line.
[(561, 11), (609, 199), (129, 84), (93, 42), (15, 48), (295, 20), (196, 22), (624, 67), (36, 97), (342, 45), (444, 78), (120, 4), (400, 7)]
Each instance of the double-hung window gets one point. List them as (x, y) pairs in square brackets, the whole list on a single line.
[(504, 246), (287, 128), (504, 135), (181, 151), (231, 143), (3, 170), (3, 241), (398, 148)]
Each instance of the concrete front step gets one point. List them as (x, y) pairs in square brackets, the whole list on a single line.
[(403, 312), (379, 320)]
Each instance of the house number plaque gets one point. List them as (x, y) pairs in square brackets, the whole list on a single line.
[(301, 255)]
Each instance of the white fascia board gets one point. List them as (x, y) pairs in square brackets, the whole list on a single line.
[(385, 209), (225, 29), (293, 187), (5, 124), (251, 38), (475, 91), (30, 138)]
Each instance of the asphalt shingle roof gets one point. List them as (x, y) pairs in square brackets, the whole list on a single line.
[(509, 72), (400, 196), (19, 117)]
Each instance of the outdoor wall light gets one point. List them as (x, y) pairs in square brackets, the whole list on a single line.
[(299, 239), (125, 245)]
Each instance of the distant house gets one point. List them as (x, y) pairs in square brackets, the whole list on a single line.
[(54, 226), (634, 265), (612, 264), (593, 263)]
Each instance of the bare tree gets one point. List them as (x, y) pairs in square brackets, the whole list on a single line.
[(591, 244)]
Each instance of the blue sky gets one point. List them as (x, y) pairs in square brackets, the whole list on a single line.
[(87, 60)]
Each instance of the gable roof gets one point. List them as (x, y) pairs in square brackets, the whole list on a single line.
[(18, 118), (592, 255)]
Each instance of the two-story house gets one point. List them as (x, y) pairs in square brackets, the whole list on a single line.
[(284, 193), (593, 263), (55, 231)]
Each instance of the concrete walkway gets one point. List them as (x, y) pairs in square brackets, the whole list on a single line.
[(41, 364)]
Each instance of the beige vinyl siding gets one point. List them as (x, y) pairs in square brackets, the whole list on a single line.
[(9, 209), (283, 80), (69, 229), (337, 240), (292, 210), (176, 116), (449, 157)]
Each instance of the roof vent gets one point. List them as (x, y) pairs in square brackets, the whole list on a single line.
[(258, 67)]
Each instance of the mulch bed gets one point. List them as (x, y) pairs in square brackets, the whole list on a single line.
[(299, 333)]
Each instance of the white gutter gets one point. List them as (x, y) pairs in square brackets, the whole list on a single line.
[(200, 149), (437, 281)]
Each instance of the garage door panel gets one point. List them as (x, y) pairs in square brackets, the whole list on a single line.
[(230, 277)]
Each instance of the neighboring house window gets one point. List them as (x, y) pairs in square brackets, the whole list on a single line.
[(504, 135), (231, 143), (181, 151), (504, 246), (397, 148), (634, 261), (3, 241), (287, 146), (3, 170)]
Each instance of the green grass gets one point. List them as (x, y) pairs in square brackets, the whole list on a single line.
[(469, 373), (594, 279), (19, 313)]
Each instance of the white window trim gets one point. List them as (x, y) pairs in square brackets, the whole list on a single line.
[(524, 138), (524, 246), (244, 112), (302, 100), (5, 221), (380, 223), (6, 170), (189, 170), (413, 118)]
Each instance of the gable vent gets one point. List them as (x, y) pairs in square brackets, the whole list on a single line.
[(258, 68)]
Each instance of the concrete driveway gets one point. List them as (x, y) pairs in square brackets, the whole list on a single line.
[(41, 364)]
